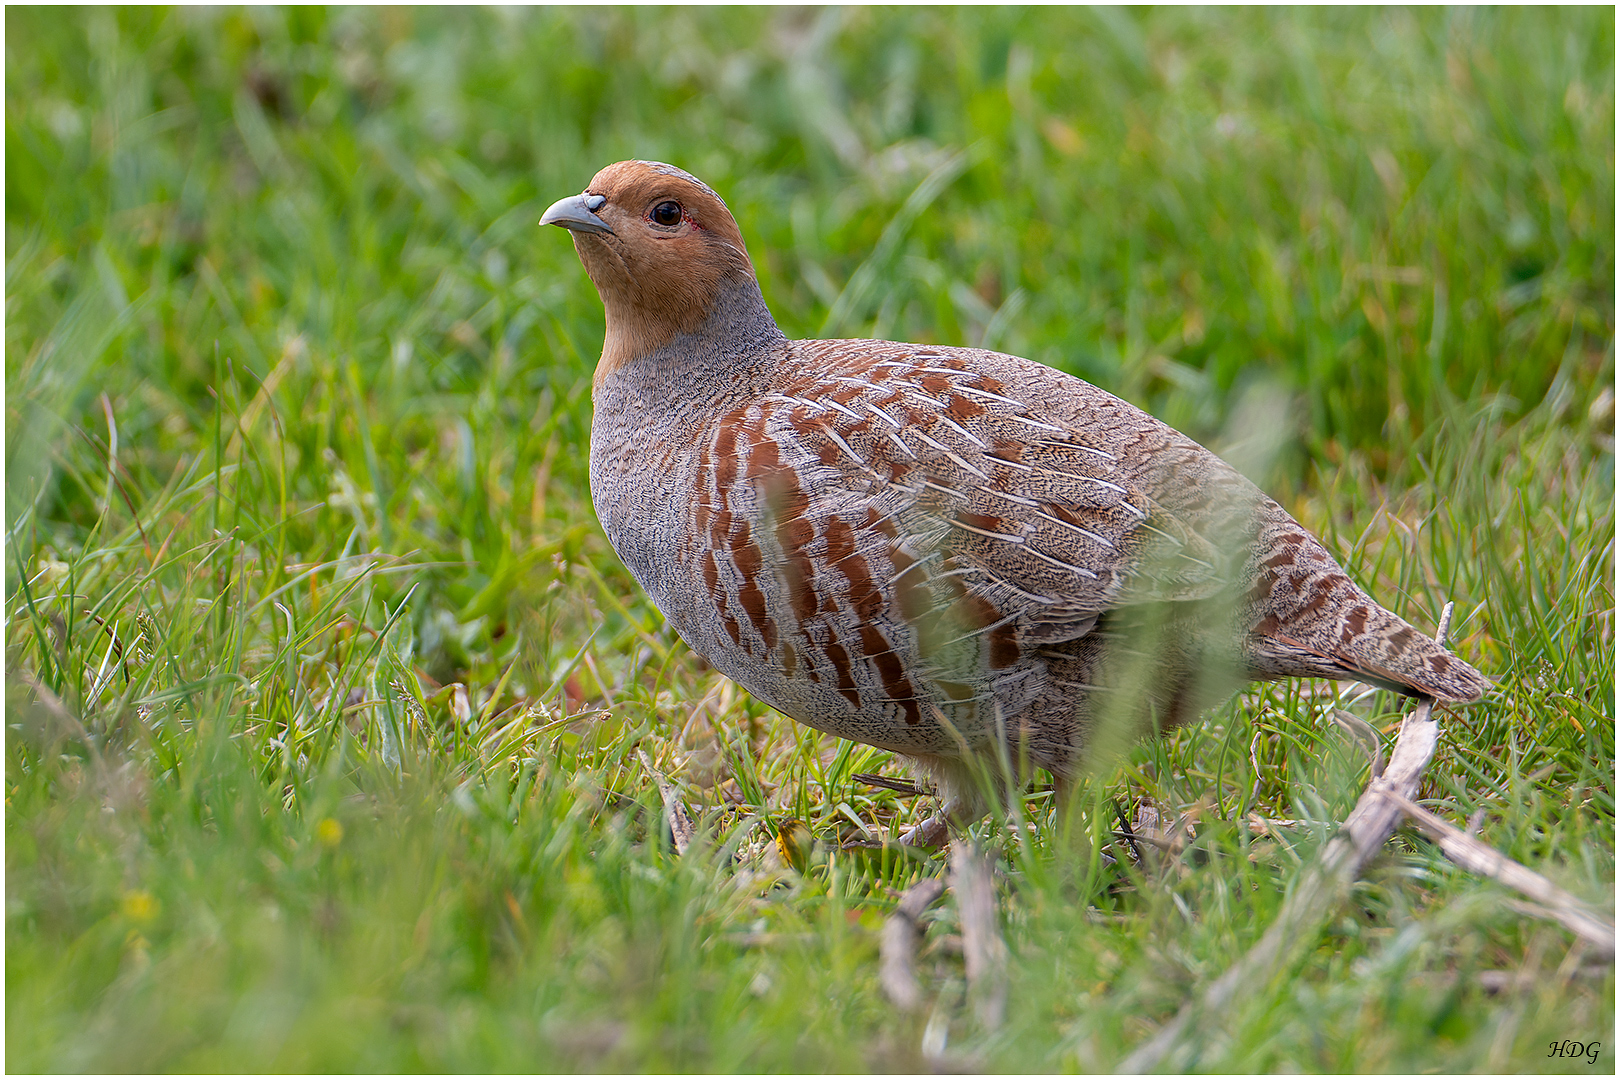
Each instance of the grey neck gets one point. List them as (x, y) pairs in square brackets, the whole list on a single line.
[(738, 334)]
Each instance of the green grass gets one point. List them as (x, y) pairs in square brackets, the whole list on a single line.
[(325, 692)]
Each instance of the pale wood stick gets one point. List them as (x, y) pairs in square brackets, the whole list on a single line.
[(983, 949), (898, 948), (1486, 861)]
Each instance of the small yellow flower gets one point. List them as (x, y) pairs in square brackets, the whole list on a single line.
[(793, 843), (329, 832), (140, 906)]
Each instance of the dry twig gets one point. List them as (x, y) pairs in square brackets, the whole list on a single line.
[(680, 824), (1486, 861), (983, 950), (898, 950)]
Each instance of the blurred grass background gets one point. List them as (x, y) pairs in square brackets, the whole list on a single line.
[(324, 692)]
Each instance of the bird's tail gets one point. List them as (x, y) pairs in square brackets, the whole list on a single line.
[(1311, 619), (1363, 641), (1389, 651)]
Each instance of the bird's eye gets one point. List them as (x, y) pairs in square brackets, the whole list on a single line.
[(667, 213)]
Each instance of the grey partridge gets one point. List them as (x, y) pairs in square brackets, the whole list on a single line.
[(945, 552)]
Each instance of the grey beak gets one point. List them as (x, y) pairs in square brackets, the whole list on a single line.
[(575, 214)]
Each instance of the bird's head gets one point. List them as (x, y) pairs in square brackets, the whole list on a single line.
[(661, 248)]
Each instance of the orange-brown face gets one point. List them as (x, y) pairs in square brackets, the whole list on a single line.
[(658, 244)]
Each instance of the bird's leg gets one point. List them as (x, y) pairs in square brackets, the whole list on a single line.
[(1062, 798), (1064, 828), (935, 830)]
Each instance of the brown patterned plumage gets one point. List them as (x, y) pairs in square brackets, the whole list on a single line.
[(932, 549)]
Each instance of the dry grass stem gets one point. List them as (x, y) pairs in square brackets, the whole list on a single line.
[(904, 787), (1364, 734), (680, 823)]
